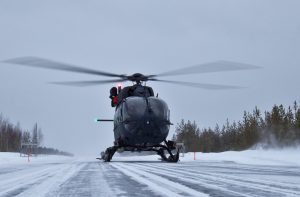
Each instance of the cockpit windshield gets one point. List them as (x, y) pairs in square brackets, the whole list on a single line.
[(159, 108), (134, 107)]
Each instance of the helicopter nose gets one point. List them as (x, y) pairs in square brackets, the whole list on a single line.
[(145, 120)]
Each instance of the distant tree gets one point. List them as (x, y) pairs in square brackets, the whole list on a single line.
[(34, 136), (297, 122), (188, 133), (250, 128), (209, 141), (40, 136), (26, 137)]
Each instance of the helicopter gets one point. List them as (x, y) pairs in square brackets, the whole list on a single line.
[(141, 119)]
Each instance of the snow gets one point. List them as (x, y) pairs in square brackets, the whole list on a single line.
[(232, 173), (252, 157), (14, 158)]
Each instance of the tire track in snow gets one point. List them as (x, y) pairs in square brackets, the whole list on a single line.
[(53, 182), (263, 181), (157, 183), (121, 184), (194, 176), (36, 181), (12, 183), (88, 182), (240, 183), (208, 185)]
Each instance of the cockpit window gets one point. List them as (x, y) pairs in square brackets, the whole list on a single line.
[(159, 108), (134, 108)]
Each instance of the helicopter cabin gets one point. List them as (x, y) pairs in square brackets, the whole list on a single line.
[(117, 95)]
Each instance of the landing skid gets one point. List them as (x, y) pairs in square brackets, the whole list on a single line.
[(159, 149)]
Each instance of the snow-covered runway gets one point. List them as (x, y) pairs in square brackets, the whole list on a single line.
[(147, 176)]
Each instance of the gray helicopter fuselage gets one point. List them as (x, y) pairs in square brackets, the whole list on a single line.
[(141, 121)]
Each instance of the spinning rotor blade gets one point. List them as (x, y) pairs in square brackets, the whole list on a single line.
[(49, 64), (217, 66), (87, 83), (199, 85)]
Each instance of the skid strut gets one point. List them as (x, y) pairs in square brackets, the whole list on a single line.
[(160, 149)]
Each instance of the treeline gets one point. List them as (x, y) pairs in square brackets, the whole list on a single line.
[(13, 139), (52, 151), (10, 136), (278, 128)]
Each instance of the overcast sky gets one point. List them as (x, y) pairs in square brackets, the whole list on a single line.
[(148, 37)]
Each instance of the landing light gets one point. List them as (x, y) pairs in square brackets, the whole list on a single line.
[(119, 86)]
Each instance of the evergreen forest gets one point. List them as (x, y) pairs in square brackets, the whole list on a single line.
[(277, 128)]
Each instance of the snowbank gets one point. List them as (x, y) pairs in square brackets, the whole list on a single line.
[(253, 157), (288, 157), (7, 158)]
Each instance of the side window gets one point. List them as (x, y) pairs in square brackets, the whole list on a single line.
[(150, 91)]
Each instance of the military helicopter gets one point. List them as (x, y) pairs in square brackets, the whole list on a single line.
[(141, 120)]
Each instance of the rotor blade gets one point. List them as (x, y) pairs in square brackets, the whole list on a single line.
[(49, 64), (199, 85), (217, 66), (87, 83)]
